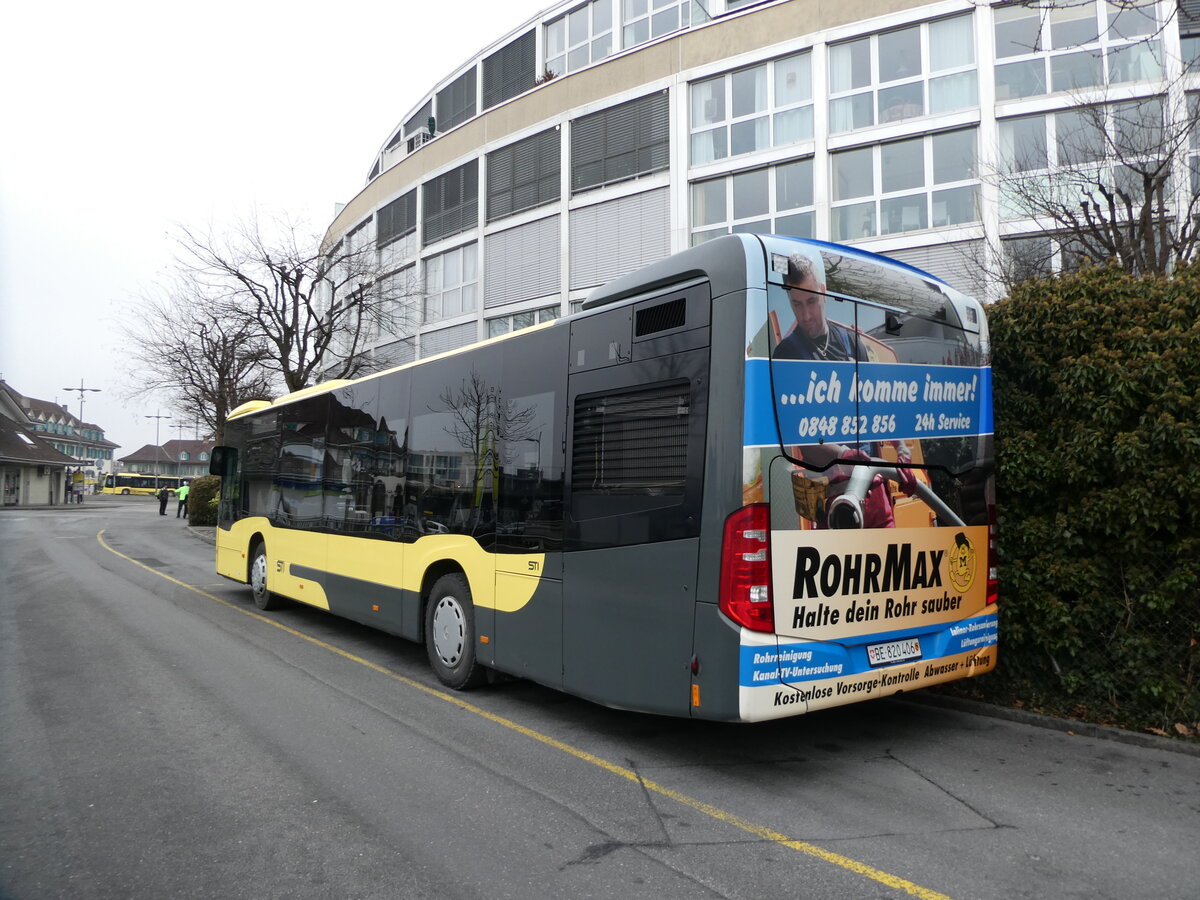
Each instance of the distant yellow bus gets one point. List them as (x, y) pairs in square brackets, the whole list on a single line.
[(136, 483)]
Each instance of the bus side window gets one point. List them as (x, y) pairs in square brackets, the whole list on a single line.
[(453, 459), (529, 501)]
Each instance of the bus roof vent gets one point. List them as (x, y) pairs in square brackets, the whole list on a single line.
[(661, 317)]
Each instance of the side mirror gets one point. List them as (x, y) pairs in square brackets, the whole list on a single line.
[(221, 460)]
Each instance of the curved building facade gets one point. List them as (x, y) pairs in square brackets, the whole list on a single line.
[(601, 136)]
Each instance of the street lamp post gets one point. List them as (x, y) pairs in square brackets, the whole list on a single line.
[(157, 442), (81, 390)]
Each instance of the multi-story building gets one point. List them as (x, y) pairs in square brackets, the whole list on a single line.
[(84, 442), (603, 135), (177, 457)]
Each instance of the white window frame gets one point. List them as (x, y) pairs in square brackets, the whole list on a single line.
[(650, 13), (1104, 164), (773, 219), (876, 86), (401, 284), (770, 111), (560, 49), (877, 198), (515, 321), (1103, 46), (451, 293)]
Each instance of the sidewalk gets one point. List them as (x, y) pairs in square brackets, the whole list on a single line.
[(203, 532), (1074, 727), (103, 502), (88, 505)]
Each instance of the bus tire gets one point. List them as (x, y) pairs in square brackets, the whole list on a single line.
[(125, 492), (263, 598), (450, 633)]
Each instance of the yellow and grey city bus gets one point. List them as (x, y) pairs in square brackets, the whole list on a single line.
[(139, 483), (747, 481)]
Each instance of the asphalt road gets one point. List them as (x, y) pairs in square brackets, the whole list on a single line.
[(160, 737)]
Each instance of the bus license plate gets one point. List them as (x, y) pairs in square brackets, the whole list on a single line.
[(893, 652)]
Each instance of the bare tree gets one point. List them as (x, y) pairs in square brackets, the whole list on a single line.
[(1109, 192), (1116, 182), (317, 309), (485, 425), (196, 360), (1105, 178)]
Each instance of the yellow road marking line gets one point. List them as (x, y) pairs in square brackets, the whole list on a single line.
[(760, 831)]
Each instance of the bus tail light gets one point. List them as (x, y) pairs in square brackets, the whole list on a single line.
[(993, 583), (746, 568)]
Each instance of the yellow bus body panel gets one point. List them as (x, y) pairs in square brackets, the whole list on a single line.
[(504, 582)]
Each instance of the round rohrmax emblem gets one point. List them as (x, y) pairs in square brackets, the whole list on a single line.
[(960, 562)]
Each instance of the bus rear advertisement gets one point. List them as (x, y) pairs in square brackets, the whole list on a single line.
[(748, 481), (868, 436)]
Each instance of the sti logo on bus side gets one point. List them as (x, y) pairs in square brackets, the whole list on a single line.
[(866, 573)]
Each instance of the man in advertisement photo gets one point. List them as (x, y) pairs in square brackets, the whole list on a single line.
[(814, 335)]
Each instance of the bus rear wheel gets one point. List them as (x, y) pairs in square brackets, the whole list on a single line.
[(125, 492), (263, 598), (450, 634)]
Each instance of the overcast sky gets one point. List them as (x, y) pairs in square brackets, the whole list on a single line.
[(120, 121)]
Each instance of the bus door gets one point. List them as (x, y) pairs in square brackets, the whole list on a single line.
[(298, 548), (877, 387), (528, 477), (637, 397)]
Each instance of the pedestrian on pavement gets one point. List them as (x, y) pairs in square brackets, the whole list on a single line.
[(164, 494), (182, 495)]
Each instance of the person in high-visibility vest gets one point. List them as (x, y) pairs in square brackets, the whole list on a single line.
[(182, 494)]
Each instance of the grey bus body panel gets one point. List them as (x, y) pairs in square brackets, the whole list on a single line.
[(657, 674), (728, 263), (717, 663), (394, 610), (528, 642), (627, 640), (716, 640), (630, 647)]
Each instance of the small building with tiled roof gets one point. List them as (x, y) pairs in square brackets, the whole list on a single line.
[(186, 459), (33, 472)]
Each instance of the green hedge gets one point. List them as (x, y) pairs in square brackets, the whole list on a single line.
[(1097, 395), (202, 500)]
